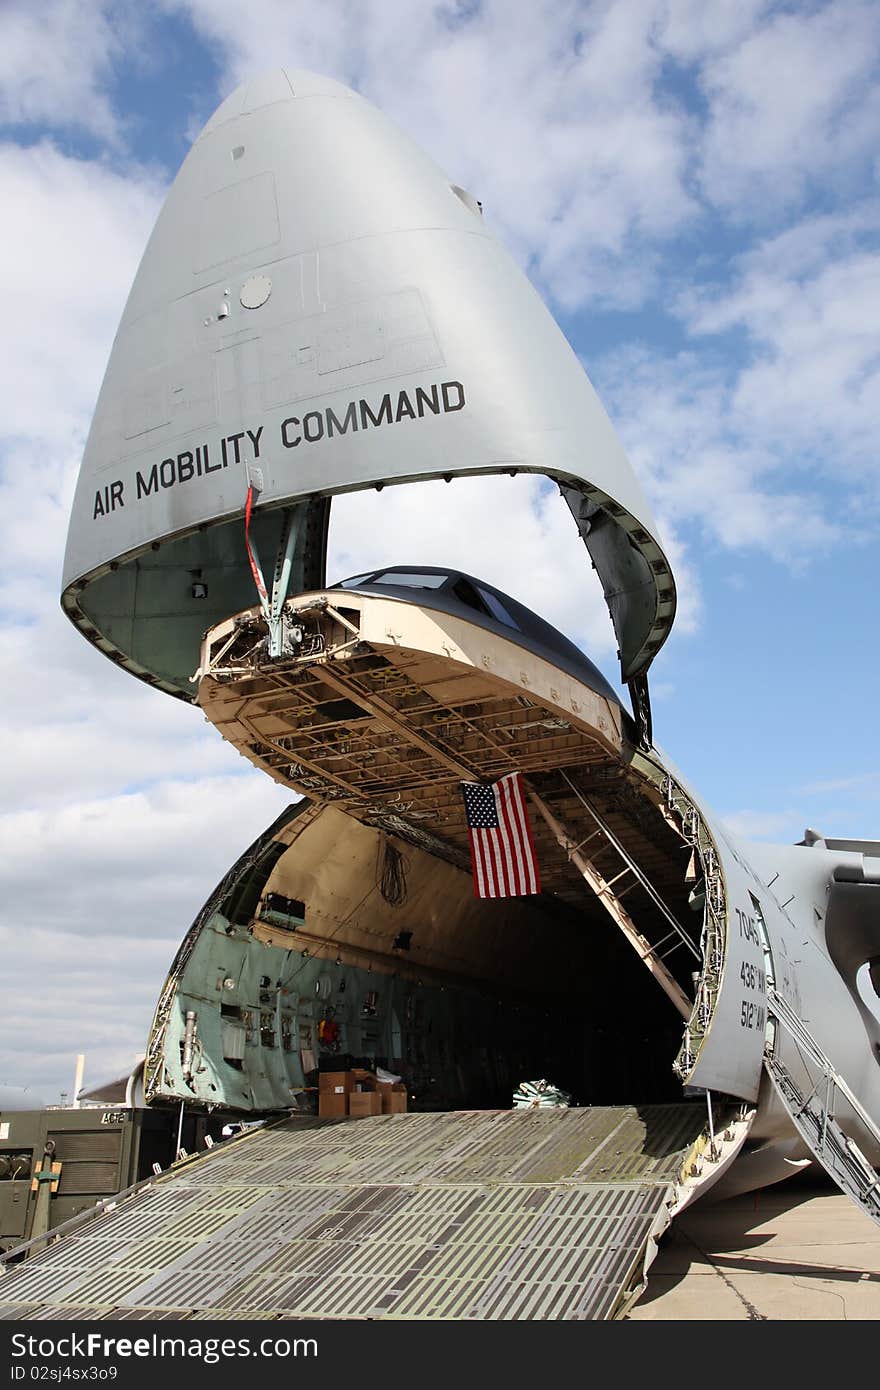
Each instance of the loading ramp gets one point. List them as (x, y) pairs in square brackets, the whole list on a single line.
[(480, 1215)]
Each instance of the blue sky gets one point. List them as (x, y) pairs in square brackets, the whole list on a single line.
[(691, 188)]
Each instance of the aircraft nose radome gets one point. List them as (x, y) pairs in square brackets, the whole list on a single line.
[(313, 271), (267, 88)]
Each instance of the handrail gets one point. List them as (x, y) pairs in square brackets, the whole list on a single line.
[(795, 1026)]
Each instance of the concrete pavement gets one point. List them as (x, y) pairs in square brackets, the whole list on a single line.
[(796, 1251)]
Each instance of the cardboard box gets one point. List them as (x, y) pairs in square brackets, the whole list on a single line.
[(332, 1106), (393, 1097), (339, 1083), (362, 1103)]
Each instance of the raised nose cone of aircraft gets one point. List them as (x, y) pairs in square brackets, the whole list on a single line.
[(319, 309), (267, 88)]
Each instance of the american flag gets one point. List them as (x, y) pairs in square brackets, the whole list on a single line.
[(502, 852)]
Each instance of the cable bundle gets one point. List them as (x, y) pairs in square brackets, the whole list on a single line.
[(392, 879)]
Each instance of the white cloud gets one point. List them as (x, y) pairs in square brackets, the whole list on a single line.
[(96, 898), (794, 102), (680, 423), (122, 865), (93, 995), (692, 31), (73, 233), (516, 533), (547, 111), (763, 430), (809, 301), (55, 58), (82, 727)]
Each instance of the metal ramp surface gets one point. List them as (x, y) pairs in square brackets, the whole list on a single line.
[(463, 1215)]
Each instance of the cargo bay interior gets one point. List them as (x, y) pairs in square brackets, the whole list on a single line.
[(352, 930), (333, 940)]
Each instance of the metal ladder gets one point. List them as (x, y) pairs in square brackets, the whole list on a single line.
[(676, 936), (812, 1115), (609, 895)]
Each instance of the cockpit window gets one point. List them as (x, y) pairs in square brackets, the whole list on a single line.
[(355, 580), (497, 608), (410, 579), (483, 601), (445, 587), (466, 592)]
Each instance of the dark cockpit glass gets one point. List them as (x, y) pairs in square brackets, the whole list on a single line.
[(497, 608)]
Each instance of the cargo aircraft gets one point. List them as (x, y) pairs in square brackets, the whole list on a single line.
[(319, 310)]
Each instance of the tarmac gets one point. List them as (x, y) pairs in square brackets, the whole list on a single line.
[(799, 1251)]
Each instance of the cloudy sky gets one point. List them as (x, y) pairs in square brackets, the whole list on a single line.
[(691, 187)]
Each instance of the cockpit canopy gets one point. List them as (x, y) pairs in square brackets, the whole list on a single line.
[(452, 591)]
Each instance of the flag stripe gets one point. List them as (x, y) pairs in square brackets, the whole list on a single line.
[(479, 850), (484, 860), (476, 866), (528, 858), (484, 865), (494, 862), (506, 818), (505, 792), (531, 857)]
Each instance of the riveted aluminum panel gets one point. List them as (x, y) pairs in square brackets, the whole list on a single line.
[(469, 1226)]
